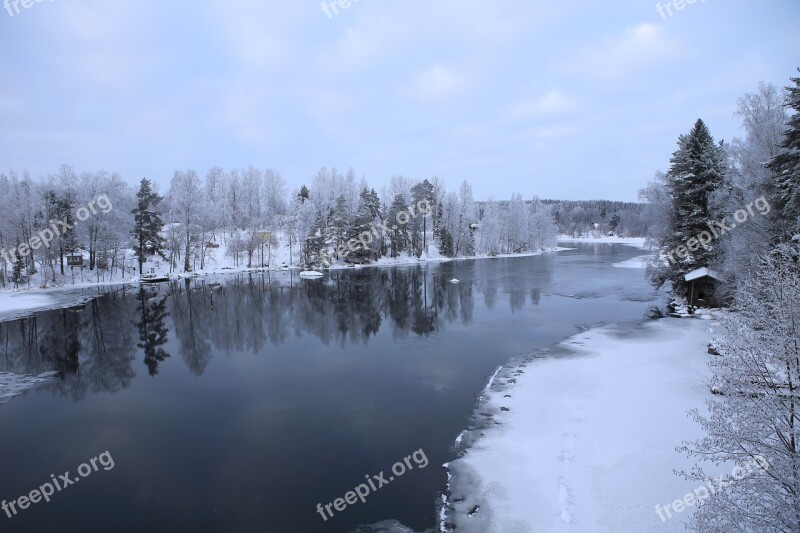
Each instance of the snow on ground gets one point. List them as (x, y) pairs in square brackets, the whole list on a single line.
[(636, 242), (642, 261), (23, 302), (15, 384), (582, 438)]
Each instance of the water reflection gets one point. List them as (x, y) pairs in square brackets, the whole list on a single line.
[(94, 347)]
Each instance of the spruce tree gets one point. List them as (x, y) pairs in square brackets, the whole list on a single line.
[(697, 170), (147, 224), (400, 234), (786, 166), (364, 223)]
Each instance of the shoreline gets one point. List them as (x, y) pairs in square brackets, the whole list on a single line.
[(37, 299), (543, 450)]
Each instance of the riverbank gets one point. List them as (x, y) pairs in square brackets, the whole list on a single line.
[(583, 436), (18, 303), (636, 242)]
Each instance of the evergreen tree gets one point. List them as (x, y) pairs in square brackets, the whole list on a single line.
[(368, 212), (18, 271), (422, 192), (147, 224), (441, 233), (340, 223), (400, 233), (314, 244), (697, 171), (304, 194), (613, 223), (786, 166)]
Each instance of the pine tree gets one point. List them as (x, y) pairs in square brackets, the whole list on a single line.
[(147, 224), (786, 167), (697, 171)]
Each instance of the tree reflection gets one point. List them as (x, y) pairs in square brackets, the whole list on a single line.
[(93, 347), (153, 331)]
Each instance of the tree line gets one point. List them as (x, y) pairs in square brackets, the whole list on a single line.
[(253, 215)]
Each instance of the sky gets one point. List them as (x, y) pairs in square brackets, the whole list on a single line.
[(559, 99)]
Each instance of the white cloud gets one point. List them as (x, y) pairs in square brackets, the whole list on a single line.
[(438, 82), (550, 104), (637, 48)]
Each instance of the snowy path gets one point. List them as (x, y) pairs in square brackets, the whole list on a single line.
[(586, 436)]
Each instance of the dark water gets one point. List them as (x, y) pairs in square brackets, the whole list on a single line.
[(240, 403)]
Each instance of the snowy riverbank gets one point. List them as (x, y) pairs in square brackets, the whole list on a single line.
[(583, 437), (636, 242), (24, 302)]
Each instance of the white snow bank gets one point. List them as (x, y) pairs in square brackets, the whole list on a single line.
[(15, 384), (311, 274), (643, 261), (636, 242), (14, 305), (587, 435), (24, 301)]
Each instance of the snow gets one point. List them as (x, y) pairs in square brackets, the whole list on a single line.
[(14, 305), (15, 384), (583, 437), (701, 273), (642, 261), (636, 242), (23, 301), (311, 274)]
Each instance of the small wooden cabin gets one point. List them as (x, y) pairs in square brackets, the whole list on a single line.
[(74, 260), (703, 287)]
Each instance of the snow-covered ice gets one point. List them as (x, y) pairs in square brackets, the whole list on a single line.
[(582, 437), (14, 305)]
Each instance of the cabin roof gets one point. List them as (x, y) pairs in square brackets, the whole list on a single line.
[(703, 272)]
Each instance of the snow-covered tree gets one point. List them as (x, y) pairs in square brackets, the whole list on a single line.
[(147, 223), (697, 170), (786, 166), (187, 208), (757, 413), (763, 118)]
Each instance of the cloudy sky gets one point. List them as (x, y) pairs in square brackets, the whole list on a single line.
[(576, 100)]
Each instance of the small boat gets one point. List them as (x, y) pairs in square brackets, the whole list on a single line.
[(153, 278)]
